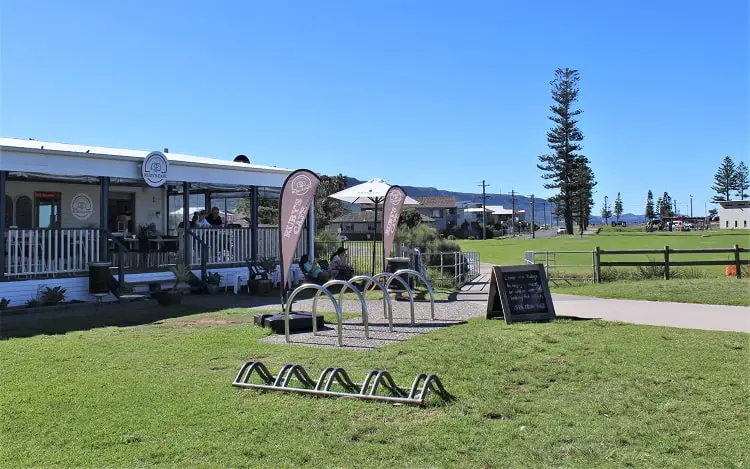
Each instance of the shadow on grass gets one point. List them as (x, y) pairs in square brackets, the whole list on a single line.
[(92, 316)]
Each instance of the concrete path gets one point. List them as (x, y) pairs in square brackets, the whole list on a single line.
[(655, 313)]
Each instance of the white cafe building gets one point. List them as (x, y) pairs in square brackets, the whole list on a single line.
[(65, 206)]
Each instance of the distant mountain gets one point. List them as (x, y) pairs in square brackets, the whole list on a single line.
[(506, 200)]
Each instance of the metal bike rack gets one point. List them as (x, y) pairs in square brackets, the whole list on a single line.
[(410, 273), (387, 306), (368, 390), (320, 289), (391, 277), (344, 284)]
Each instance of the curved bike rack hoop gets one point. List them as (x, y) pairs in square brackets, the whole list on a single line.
[(344, 284), (387, 306), (424, 280), (391, 277), (320, 289)]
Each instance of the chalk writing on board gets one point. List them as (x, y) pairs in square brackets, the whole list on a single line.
[(520, 293)]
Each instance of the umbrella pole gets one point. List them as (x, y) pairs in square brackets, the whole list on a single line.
[(375, 238)]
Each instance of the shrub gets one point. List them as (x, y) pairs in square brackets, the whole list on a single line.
[(472, 238), (326, 244), (4, 302), (53, 296), (451, 238), (426, 239), (214, 278)]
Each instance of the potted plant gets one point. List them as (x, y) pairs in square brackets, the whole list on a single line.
[(173, 296), (213, 282), (260, 275)]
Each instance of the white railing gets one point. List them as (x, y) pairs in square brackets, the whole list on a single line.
[(232, 246), (50, 251)]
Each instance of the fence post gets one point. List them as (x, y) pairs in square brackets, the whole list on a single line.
[(666, 262), (441, 268), (737, 264), (597, 265)]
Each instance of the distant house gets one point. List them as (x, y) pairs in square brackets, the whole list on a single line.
[(360, 225), (494, 213), (734, 214), (442, 210)]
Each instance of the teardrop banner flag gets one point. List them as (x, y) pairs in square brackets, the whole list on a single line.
[(394, 200), (297, 193)]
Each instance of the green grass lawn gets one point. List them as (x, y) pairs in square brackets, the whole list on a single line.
[(715, 291), (567, 393), (511, 251)]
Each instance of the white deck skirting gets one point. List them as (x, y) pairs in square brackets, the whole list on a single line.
[(19, 292)]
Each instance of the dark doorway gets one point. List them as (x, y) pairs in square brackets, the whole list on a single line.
[(121, 212)]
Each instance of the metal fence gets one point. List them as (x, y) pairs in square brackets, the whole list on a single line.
[(564, 266), (443, 269)]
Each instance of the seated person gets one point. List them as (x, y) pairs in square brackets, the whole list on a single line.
[(312, 270), (202, 221), (213, 218), (340, 265)]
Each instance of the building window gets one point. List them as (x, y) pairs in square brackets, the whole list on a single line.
[(47, 209), (735, 223), (24, 213), (437, 213), (744, 223), (727, 222)]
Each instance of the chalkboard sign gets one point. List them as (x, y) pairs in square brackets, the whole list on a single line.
[(520, 293)]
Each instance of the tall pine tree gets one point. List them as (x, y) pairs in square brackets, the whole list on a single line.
[(724, 180), (564, 168), (741, 182), (584, 183), (665, 207), (618, 207), (650, 214)]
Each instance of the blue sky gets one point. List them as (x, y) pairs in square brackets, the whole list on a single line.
[(428, 93)]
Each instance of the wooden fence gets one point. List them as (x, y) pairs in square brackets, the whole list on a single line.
[(667, 263)]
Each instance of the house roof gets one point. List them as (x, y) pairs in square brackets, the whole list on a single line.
[(437, 202), (368, 217)]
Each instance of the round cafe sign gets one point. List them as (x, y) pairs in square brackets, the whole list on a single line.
[(81, 206), (155, 168)]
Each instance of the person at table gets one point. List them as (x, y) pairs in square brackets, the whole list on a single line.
[(213, 218), (340, 265), (202, 221), (313, 270)]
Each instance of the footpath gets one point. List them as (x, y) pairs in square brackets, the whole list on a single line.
[(655, 313)]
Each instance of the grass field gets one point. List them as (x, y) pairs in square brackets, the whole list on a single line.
[(511, 251), (716, 289), (567, 393), (712, 291)]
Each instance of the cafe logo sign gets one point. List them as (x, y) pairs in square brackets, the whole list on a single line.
[(81, 206), (155, 168)]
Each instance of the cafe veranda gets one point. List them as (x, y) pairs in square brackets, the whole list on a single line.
[(65, 206)]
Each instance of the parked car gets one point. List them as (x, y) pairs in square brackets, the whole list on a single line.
[(343, 238), (561, 230)]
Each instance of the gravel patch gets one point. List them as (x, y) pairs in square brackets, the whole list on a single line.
[(447, 313)]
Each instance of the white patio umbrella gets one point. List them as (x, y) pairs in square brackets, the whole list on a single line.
[(370, 192)]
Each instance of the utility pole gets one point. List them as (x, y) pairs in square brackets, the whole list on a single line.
[(675, 207), (544, 212), (513, 210), (691, 205), (533, 233), (484, 208), (606, 211)]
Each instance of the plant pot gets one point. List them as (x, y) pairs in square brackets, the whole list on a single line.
[(213, 288), (260, 287), (168, 297)]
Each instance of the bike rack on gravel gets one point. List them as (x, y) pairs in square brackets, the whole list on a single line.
[(414, 273), (368, 390), (344, 284), (320, 289), (387, 306)]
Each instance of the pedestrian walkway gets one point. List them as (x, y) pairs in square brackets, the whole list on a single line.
[(655, 313)]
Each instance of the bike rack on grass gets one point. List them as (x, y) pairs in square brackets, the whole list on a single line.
[(368, 390)]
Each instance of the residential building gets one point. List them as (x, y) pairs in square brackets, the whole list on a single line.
[(360, 225), (441, 209)]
